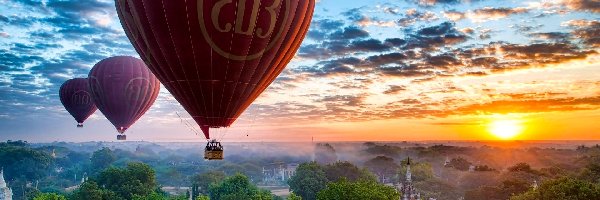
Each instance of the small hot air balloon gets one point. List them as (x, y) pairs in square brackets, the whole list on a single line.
[(123, 89), (75, 96)]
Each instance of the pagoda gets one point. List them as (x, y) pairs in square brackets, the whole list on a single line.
[(5, 191)]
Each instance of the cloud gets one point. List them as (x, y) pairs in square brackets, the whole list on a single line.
[(454, 15), (348, 33), (394, 89), (531, 106), (583, 5), (412, 16), (554, 36), (588, 31), (484, 14), (432, 37)]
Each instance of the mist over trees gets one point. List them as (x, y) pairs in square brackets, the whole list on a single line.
[(140, 170)]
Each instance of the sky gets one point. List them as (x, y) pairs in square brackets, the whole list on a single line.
[(368, 70)]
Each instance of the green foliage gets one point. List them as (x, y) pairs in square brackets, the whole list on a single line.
[(382, 166), (89, 190), (344, 190), (151, 196), (49, 196), (309, 179), (238, 187), (202, 182), (202, 197), (135, 179), (420, 171), (22, 162), (345, 169), (459, 163), (293, 196), (102, 159), (562, 188)]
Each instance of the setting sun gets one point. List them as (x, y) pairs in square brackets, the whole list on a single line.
[(505, 129)]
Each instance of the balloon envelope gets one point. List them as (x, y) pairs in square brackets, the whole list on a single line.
[(75, 96), (216, 57), (123, 89)]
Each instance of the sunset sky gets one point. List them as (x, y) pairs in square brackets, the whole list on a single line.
[(376, 70)]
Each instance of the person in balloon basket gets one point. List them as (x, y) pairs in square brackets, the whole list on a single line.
[(213, 145)]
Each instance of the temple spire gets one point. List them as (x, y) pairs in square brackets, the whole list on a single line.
[(5, 191), (2, 182)]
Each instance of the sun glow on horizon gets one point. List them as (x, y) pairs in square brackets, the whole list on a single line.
[(505, 129)]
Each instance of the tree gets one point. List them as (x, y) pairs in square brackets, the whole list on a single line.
[(201, 182), (420, 171), (202, 197), (345, 169), (49, 196), (238, 187), (22, 162), (459, 164), (325, 153), (89, 190), (391, 151), (362, 189), (484, 168), (309, 179), (507, 189), (521, 167), (382, 166), (135, 179), (294, 197), (102, 158), (562, 188)]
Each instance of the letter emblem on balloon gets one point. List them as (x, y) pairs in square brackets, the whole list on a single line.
[(259, 21)]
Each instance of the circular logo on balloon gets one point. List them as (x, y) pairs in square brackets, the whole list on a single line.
[(81, 97), (228, 25)]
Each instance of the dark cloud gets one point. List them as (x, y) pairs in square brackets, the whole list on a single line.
[(394, 89), (435, 36), (319, 29), (588, 32), (331, 48), (345, 100), (435, 2), (17, 21), (348, 33), (412, 16), (553, 36)]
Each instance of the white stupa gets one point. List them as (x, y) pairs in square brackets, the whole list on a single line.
[(5, 192)]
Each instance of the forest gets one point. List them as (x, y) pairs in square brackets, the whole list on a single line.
[(369, 170)]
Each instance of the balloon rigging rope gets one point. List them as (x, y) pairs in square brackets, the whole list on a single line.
[(181, 119)]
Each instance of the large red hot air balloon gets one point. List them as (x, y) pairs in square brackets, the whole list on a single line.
[(216, 56), (75, 96), (123, 89)]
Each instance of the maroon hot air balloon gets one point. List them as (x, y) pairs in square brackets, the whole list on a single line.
[(75, 96), (216, 56), (123, 89)]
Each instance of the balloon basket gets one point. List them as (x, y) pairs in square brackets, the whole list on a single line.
[(213, 155), (213, 151), (121, 137), (80, 125)]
